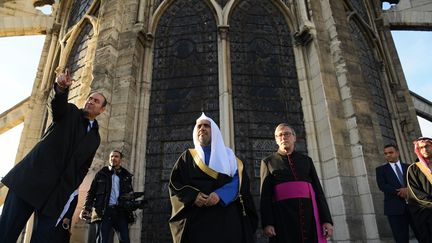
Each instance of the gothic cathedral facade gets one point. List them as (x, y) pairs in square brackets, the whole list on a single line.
[(329, 68)]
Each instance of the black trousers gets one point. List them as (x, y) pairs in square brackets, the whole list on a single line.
[(116, 219), (15, 215), (400, 224)]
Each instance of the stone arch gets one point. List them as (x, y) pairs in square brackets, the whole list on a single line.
[(184, 83), (19, 17), (79, 9), (265, 83), (77, 48), (287, 13), (264, 79), (163, 6), (84, 32), (73, 31), (79, 61), (370, 64), (358, 16), (389, 79)]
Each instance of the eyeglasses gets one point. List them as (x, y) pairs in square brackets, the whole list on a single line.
[(286, 134)]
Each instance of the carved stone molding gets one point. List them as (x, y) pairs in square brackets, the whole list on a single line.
[(40, 3), (223, 31), (303, 37)]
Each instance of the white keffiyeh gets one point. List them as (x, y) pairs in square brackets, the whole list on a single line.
[(222, 159)]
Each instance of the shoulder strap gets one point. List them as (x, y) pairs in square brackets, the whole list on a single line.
[(425, 170), (240, 172), (198, 161)]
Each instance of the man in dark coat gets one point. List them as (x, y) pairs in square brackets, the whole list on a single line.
[(110, 185), (419, 182), (391, 179), (293, 205), (209, 192), (45, 178)]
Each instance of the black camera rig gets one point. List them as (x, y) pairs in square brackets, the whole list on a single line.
[(129, 202)]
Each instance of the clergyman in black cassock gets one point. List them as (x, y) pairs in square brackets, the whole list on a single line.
[(293, 205)]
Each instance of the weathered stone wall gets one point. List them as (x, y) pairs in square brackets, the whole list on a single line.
[(410, 15)]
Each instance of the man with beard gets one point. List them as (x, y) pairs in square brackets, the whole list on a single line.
[(109, 186), (45, 178), (293, 205), (209, 192), (419, 180)]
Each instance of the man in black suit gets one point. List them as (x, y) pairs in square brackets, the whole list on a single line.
[(391, 179), (46, 177)]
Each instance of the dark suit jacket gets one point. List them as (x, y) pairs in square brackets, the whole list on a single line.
[(388, 183), (58, 163)]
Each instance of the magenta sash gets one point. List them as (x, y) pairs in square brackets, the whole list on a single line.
[(300, 189)]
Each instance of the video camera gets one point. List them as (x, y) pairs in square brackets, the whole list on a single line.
[(128, 201)]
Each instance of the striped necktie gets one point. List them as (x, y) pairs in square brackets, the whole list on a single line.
[(399, 175)]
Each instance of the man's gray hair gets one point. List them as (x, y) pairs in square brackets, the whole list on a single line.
[(281, 125)]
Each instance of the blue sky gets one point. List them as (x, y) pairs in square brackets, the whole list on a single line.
[(415, 55), (19, 58)]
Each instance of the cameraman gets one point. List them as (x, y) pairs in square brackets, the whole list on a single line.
[(111, 184)]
